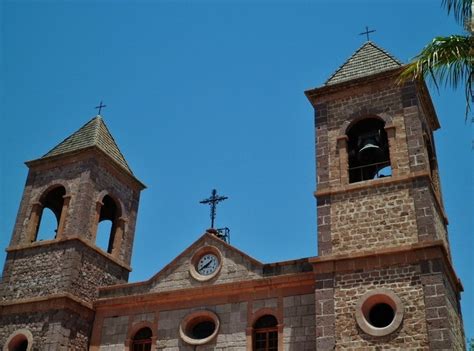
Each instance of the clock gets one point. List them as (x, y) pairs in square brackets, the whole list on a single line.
[(205, 263)]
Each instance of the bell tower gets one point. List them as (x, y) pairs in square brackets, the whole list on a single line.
[(50, 282), (382, 228)]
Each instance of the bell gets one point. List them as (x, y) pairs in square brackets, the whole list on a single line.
[(370, 151)]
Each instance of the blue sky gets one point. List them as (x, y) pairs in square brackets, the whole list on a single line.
[(204, 95)]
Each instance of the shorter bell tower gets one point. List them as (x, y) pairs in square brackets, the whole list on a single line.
[(50, 282)]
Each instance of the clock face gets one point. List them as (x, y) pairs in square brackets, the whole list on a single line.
[(207, 264)]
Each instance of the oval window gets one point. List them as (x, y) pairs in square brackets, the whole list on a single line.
[(199, 328)]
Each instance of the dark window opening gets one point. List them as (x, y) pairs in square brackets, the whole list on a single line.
[(19, 343), (203, 329), (265, 334), (381, 315), (109, 213), (142, 340), (50, 214), (369, 156)]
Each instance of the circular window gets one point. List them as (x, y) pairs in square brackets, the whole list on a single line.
[(199, 328), (21, 340), (379, 312), (206, 263)]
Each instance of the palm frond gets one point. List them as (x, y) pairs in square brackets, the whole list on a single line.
[(446, 60), (462, 10)]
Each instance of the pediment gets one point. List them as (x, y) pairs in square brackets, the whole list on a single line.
[(234, 266)]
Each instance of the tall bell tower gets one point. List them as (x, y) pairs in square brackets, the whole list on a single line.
[(49, 285), (384, 269)]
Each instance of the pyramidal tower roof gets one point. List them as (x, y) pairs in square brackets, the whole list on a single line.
[(93, 133), (367, 60)]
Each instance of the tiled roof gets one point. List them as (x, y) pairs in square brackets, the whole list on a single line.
[(93, 133), (367, 60)]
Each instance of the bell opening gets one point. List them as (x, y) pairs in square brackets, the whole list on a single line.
[(369, 156)]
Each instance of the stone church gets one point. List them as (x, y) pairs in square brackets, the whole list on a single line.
[(383, 277)]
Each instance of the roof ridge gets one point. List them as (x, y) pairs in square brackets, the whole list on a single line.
[(344, 63), (94, 133), (115, 143), (368, 59)]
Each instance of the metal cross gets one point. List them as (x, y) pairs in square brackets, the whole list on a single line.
[(367, 31), (100, 107), (213, 201)]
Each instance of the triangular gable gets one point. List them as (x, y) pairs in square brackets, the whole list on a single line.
[(93, 133), (367, 60), (236, 266)]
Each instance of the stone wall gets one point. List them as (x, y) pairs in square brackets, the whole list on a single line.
[(443, 313), (406, 283), (294, 313), (299, 331), (235, 267), (53, 330), (62, 267), (377, 217)]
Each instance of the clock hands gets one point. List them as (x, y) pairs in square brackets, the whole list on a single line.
[(207, 264)]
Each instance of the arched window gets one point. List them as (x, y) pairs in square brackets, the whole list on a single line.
[(107, 226), (142, 340), (369, 154), (265, 334), (49, 213)]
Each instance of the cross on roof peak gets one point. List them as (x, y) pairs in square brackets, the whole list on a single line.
[(100, 107), (213, 201), (367, 32)]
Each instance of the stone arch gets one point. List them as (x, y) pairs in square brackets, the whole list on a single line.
[(110, 208), (357, 117), (134, 329), (265, 335), (19, 336), (54, 198)]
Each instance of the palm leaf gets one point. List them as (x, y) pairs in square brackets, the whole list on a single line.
[(462, 10), (446, 60)]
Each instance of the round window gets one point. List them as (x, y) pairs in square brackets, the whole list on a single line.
[(379, 312), (199, 327)]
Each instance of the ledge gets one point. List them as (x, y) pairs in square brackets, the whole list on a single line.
[(65, 240), (407, 254), (48, 302), (373, 183)]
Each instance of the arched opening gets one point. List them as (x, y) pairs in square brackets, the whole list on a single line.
[(265, 334), (107, 226), (142, 340), (49, 218), (369, 154)]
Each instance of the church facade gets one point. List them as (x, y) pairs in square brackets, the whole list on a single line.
[(383, 277)]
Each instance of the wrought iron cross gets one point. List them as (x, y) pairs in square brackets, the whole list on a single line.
[(367, 31), (100, 107), (213, 201)]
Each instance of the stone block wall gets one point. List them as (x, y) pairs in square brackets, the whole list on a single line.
[(443, 313), (63, 267), (235, 267), (299, 331), (53, 330), (405, 282), (295, 314), (376, 217)]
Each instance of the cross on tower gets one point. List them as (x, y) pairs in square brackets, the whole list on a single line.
[(213, 201), (100, 107), (367, 31)]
